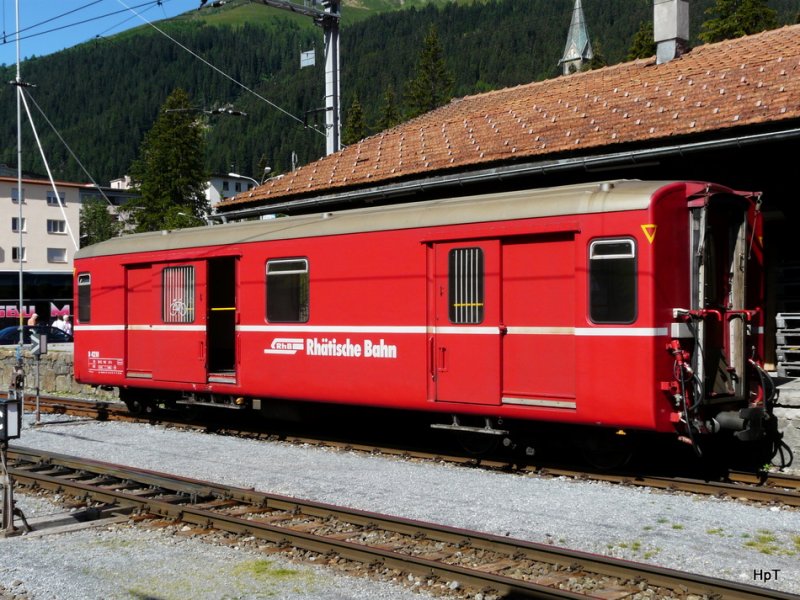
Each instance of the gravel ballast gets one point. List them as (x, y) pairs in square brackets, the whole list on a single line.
[(721, 538)]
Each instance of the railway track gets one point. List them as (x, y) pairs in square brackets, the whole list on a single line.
[(481, 562), (767, 487)]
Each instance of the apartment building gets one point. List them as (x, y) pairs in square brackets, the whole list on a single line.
[(49, 226)]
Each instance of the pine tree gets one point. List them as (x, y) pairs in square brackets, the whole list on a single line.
[(643, 44), (355, 128), (390, 114), (737, 18), (433, 84), (169, 172), (97, 223)]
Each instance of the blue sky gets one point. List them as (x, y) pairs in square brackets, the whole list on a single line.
[(46, 28)]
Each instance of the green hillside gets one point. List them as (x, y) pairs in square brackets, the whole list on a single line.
[(103, 96)]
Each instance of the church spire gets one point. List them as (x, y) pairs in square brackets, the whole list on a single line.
[(578, 49)]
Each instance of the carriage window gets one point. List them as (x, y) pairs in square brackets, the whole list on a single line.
[(465, 283), (177, 300), (84, 297), (612, 281), (287, 291)]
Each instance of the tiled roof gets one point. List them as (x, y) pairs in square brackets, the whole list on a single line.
[(732, 84)]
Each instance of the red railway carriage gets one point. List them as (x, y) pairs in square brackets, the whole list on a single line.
[(625, 304)]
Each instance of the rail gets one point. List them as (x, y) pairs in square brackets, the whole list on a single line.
[(764, 487), (478, 560)]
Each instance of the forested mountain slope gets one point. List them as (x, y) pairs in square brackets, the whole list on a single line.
[(103, 95)]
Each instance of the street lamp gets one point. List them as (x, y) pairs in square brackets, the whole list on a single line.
[(267, 171)]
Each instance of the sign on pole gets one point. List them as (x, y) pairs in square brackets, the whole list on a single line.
[(38, 343), (307, 59)]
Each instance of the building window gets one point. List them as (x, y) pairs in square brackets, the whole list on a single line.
[(249, 186), (465, 285), (15, 195), (56, 226), (52, 200), (84, 297), (177, 300), (287, 290), (56, 255), (15, 224), (612, 281), (15, 253), (226, 186), (238, 186)]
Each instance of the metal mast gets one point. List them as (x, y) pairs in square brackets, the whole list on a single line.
[(329, 21), (330, 26)]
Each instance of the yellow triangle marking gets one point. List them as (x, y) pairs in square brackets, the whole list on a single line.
[(650, 232)]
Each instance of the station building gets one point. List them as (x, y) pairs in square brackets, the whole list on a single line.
[(727, 112)]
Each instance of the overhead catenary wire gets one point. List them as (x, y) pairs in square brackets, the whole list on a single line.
[(136, 13), (75, 156), (134, 9), (221, 72), (47, 166), (18, 34)]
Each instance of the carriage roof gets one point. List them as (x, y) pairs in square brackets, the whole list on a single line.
[(611, 196)]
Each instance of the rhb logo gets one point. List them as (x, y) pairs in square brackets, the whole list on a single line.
[(285, 346)]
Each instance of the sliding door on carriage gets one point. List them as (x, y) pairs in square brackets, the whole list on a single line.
[(466, 322), (539, 362), (179, 330), (140, 311)]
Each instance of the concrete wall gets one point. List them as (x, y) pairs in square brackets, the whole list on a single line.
[(55, 374)]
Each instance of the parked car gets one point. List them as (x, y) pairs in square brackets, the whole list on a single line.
[(10, 335)]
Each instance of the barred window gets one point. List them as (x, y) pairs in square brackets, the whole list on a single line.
[(84, 297), (465, 283), (177, 301), (612, 281), (287, 291)]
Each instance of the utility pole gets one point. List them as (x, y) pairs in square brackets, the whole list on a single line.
[(329, 21)]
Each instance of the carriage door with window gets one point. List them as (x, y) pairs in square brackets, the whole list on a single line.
[(180, 343), (466, 341)]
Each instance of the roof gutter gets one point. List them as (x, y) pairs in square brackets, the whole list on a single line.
[(598, 163)]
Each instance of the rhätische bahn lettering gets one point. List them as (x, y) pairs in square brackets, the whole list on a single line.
[(333, 347)]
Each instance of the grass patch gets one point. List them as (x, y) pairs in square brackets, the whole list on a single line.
[(766, 542), (635, 548), (264, 569)]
